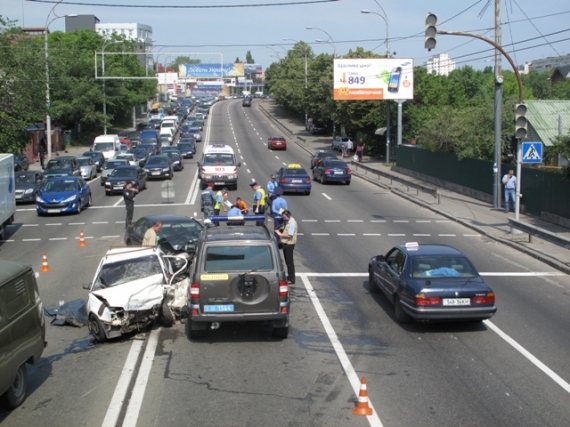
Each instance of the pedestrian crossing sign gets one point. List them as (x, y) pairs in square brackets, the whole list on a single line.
[(532, 152)]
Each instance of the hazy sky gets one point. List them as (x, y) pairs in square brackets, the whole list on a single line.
[(253, 26)]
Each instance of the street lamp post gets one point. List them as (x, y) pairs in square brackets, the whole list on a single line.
[(329, 40), (48, 100), (384, 16)]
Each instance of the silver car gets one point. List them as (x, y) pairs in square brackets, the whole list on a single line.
[(128, 157), (110, 166), (197, 133), (88, 168)]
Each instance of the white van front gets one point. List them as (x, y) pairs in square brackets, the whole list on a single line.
[(109, 145), (218, 165)]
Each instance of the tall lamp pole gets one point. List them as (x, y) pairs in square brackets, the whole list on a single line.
[(48, 101), (384, 16)]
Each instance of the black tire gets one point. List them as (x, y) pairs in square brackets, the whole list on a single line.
[(97, 329), (323, 180), (400, 314), (102, 183), (347, 182), (16, 394), (192, 334), (281, 333), (89, 201), (372, 286), (144, 185), (166, 315)]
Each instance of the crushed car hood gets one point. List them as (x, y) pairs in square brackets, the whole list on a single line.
[(139, 294)]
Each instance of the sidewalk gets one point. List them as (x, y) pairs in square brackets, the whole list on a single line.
[(540, 239)]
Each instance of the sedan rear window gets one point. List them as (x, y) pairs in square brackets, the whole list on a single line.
[(238, 258), (442, 266)]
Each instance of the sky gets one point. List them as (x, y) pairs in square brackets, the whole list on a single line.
[(259, 26)]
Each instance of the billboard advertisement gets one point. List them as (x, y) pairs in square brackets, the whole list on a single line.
[(210, 70), (253, 68), (373, 79)]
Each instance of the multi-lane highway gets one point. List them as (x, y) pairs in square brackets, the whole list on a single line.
[(509, 371)]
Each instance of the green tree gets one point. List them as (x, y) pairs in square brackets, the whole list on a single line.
[(249, 58), (180, 60)]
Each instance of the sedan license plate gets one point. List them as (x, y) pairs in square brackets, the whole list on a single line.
[(155, 173), (117, 188), (219, 183), (456, 301), (54, 210), (218, 308), (296, 181), (19, 196), (338, 172)]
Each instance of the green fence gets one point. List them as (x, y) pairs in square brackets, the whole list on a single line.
[(541, 190)]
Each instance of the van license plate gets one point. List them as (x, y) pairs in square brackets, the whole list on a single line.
[(218, 308)]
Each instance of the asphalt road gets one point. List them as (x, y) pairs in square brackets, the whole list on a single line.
[(510, 371)]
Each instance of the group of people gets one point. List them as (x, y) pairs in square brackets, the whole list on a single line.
[(348, 147)]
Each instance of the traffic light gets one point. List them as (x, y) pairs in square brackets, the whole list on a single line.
[(521, 122), (511, 147), (431, 31)]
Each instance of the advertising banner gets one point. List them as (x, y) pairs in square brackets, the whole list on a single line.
[(211, 70), (252, 68), (373, 79)]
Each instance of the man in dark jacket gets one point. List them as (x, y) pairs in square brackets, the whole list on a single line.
[(129, 196)]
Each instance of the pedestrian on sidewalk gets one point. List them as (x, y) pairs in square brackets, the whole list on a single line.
[(349, 146), (289, 239), (510, 182), (43, 151), (360, 150), (129, 194)]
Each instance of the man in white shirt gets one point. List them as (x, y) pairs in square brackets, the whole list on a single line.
[(510, 183), (150, 238)]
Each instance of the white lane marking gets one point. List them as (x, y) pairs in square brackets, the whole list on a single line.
[(100, 222), (110, 237), (401, 220), (371, 234), (421, 235), (523, 274), (241, 157), (471, 235), (339, 349), (118, 202), (76, 223), (30, 225), (332, 220), (55, 223), (248, 171), (345, 234), (442, 220), (136, 400), (58, 238), (85, 237), (11, 240), (31, 240), (446, 235), (529, 356), (320, 234), (396, 235), (112, 415), (309, 220), (422, 220), (193, 188), (354, 220), (277, 157), (324, 194), (378, 220)]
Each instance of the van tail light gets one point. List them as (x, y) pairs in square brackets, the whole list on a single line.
[(423, 300), (283, 290), (348, 171), (194, 293), (488, 299)]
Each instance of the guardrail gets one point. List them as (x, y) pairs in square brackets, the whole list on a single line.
[(540, 232), (419, 187)]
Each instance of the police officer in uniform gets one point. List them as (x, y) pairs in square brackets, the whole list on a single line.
[(208, 200), (129, 193)]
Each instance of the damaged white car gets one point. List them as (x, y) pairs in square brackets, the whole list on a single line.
[(133, 287)]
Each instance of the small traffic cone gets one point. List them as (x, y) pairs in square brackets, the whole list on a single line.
[(82, 242), (362, 407), (45, 267)]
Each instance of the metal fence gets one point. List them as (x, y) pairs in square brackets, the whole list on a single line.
[(542, 191)]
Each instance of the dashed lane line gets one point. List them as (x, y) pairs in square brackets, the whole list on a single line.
[(324, 194)]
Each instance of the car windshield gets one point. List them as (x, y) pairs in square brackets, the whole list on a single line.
[(25, 178), (157, 161), (120, 272), (84, 162), (190, 229), (124, 172), (60, 185), (218, 159), (113, 164), (442, 266), (173, 154), (150, 141), (124, 157), (194, 130), (238, 258), (299, 171), (55, 164), (184, 146), (103, 146)]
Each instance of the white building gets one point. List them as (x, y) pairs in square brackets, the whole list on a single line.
[(440, 64), (550, 63), (131, 31)]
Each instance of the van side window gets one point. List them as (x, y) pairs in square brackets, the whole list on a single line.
[(15, 297)]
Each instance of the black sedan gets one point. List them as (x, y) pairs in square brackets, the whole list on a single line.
[(27, 185), (97, 157), (159, 167), (187, 149), (178, 234), (140, 154), (123, 174), (332, 171), (431, 283), (176, 159), (21, 162), (322, 155)]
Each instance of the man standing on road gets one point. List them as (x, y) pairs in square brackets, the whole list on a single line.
[(510, 182), (279, 205), (150, 238), (259, 200), (220, 195), (208, 200), (129, 197), (289, 239), (271, 185)]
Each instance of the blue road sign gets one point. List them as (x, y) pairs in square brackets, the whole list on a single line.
[(532, 152)]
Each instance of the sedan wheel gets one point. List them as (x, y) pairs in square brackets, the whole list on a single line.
[(323, 179), (96, 328), (401, 315), (89, 201), (372, 286)]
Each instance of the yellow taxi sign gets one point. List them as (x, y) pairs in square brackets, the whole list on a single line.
[(294, 166), (214, 277)]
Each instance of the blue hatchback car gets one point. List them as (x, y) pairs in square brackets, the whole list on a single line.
[(63, 194), (293, 178)]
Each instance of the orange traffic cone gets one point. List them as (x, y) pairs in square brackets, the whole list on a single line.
[(82, 242), (362, 407), (45, 267)]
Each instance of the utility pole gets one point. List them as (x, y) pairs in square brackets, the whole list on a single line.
[(498, 110)]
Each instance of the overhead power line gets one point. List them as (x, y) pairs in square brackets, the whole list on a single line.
[(221, 6)]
